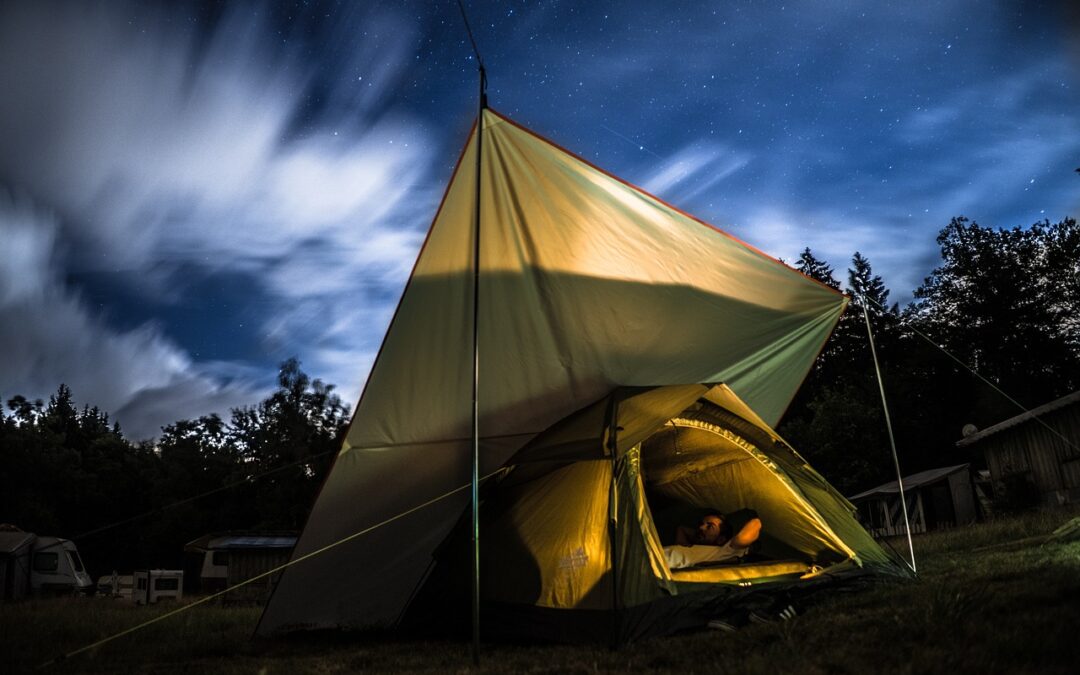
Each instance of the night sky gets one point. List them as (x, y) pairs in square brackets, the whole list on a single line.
[(191, 193)]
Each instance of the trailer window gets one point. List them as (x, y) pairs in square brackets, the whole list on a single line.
[(46, 562), (76, 561), (167, 584)]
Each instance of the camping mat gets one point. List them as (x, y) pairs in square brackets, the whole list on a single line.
[(720, 574)]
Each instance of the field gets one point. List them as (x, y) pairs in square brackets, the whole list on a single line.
[(985, 602)]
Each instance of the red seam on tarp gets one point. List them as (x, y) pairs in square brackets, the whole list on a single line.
[(661, 201)]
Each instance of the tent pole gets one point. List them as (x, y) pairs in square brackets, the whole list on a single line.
[(481, 105), (476, 379), (613, 518), (888, 426)]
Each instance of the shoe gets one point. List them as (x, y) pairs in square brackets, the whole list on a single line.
[(721, 624), (762, 617)]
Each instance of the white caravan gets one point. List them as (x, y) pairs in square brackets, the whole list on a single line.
[(153, 585), (57, 568)]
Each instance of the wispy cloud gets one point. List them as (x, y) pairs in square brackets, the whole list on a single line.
[(693, 170), (163, 152), (834, 236), (50, 335)]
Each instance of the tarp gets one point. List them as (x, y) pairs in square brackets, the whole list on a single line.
[(586, 283)]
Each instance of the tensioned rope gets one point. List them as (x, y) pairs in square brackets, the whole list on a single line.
[(974, 372), (306, 556), (188, 500)]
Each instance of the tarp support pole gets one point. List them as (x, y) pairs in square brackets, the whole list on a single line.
[(888, 427), (613, 517), (476, 379)]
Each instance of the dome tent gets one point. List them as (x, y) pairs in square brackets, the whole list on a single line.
[(586, 284), (571, 550)]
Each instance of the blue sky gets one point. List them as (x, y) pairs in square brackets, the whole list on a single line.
[(191, 193)]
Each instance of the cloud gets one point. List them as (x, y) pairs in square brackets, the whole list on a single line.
[(50, 336), (694, 169), (164, 151), (834, 236)]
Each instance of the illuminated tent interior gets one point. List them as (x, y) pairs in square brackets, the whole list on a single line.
[(589, 288), (570, 546)]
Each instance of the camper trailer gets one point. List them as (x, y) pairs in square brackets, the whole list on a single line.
[(116, 586), (57, 568), (152, 586)]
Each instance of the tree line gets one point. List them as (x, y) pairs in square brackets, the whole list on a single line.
[(1004, 301), (71, 473)]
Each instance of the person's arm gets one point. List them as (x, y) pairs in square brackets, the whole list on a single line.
[(748, 534)]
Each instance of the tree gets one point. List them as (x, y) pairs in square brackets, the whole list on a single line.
[(1061, 262), (817, 269), (294, 434), (68, 472), (836, 419), (1003, 302)]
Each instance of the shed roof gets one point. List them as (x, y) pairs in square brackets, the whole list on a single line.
[(1021, 418), (915, 480), (242, 540)]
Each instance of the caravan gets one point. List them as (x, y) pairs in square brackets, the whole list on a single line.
[(57, 568)]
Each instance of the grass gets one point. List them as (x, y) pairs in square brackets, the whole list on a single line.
[(981, 605)]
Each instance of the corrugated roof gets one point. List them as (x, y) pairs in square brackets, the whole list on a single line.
[(243, 539), (915, 480), (1020, 419), (251, 542)]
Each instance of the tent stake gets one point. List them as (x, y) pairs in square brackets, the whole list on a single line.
[(888, 426)]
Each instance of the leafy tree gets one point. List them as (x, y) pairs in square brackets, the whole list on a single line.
[(1003, 301), (1061, 262), (294, 433), (68, 472)]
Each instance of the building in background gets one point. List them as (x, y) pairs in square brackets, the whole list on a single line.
[(937, 499), (223, 560), (1034, 456)]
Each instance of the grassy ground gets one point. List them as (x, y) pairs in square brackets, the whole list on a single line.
[(1007, 608)]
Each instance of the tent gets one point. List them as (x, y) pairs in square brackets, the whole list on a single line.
[(588, 286)]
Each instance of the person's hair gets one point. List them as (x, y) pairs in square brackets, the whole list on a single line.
[(725, 525)]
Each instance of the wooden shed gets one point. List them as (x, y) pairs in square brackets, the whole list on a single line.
[(937, 499), (224, 560), (1040, 449)]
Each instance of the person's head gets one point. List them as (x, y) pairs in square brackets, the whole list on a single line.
[(713, 529)]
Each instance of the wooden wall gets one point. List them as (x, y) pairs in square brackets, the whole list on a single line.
[(1033, 450), (247, 563)]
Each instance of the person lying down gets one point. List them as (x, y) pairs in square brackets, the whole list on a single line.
[(711, 542)]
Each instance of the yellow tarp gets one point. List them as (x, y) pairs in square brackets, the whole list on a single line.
[(587, 283)]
